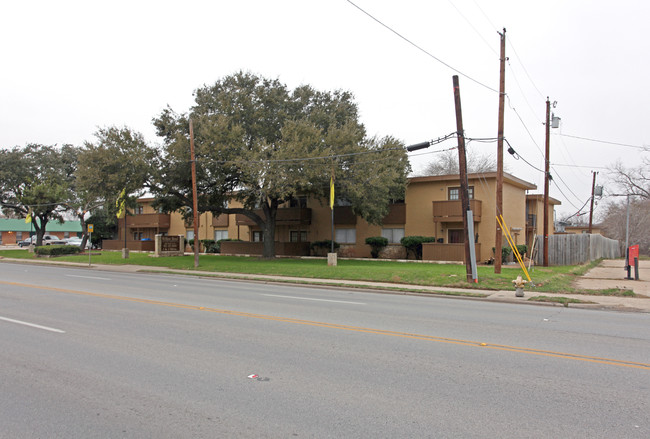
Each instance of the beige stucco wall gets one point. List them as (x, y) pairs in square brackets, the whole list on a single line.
[(420, 195)]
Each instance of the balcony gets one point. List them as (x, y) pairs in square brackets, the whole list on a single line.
[(220, 220), (148, 220), (451, 211), (286, 216), (343, 216), (396, 214)]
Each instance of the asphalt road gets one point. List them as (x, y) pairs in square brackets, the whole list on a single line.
[(87, 354)]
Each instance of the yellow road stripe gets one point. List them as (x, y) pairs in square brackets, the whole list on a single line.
[(523, 350)]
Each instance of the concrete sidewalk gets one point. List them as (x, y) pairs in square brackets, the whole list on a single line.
[(601, 277)]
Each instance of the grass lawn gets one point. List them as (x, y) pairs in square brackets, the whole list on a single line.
[(546, 279)]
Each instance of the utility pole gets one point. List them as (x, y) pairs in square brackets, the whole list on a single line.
[(547, 161), (195, 205), (462, 165), (591, 211), (498, 241)]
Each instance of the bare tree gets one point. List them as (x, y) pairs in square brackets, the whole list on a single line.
[(446, 163), (633, 181), (615, 221)]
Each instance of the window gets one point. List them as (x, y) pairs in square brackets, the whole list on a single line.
[(293, 236), (258, 236), (220, 234), (190, 234), (346, 236), (66, 235), (393, 235), (298, 202), (138, 210), (137, 236), (454, 193), (19, 236)]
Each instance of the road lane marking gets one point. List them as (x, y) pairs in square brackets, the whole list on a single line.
[(88, 277), (315, 300), (470, 343), (33, 325)]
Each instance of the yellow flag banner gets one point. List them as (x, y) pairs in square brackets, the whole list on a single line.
[(332, 193), (28, 218), (120, 203)]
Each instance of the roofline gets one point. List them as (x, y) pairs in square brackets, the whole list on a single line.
[(515, 181), (551, 200)]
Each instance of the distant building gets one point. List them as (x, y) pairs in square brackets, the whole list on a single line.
[(14, 230)]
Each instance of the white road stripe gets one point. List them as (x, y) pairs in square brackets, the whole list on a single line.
[(33, 325), (88, 277), (315, 300)]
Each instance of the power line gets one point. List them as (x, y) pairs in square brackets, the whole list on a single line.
[(564, 182), (525, 126), (578, 166), (565, 197), (423, 50), (524, 68), (603, 141), (579, 210), (472, 26)]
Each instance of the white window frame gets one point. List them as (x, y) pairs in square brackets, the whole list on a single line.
[(346, 236), (393, 234), (219, 235)]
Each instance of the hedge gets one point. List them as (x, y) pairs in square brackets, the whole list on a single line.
[(57, 250)]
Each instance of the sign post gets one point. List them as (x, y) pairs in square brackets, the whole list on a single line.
[(90, 241)]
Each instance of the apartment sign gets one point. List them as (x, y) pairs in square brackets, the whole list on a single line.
[(169, 245)]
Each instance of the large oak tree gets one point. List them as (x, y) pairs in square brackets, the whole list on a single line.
[(261, 144), (36, 181)]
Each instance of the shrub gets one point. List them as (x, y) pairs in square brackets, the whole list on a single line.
[(522, 248), (413, 245), (57, 250), (210, 246), (376, 243), (505, 252)]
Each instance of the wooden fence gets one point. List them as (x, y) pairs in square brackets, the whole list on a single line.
[(574, 249)]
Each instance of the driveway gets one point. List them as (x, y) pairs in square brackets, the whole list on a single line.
[(611, 273)]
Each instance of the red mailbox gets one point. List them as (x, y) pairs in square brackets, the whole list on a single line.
[(634, 252)]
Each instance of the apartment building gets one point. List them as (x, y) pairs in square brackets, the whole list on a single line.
[(430, 208)]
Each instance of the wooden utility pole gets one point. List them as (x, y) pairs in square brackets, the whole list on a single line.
[(195, 203), (462, 165), (498, 240), (591, 210), (547, 161)]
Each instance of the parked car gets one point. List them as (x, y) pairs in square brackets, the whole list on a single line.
[(47, 240), (26, 242), (77, 242)]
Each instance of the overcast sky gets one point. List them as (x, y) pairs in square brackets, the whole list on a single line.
[(70, 67)]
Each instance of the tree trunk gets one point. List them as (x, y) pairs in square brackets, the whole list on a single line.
[(40, 230), (269, 231)]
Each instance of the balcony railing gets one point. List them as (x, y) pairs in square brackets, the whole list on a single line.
[(148, 220), (451, 211), (531, 220), (220, 220), (286, 216), (396, 214)]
